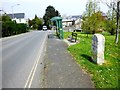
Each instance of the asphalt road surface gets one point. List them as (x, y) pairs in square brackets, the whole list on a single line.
[(21, 57)]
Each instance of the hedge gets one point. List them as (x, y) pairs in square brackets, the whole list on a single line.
[(11, 28)]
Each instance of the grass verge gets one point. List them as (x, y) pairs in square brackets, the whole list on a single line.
[(106, 75)]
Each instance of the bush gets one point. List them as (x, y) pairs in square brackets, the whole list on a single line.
[(8, 28), (21, 28), (105, 33), (11, 28)]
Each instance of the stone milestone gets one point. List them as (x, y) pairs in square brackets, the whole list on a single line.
[(98, 45)]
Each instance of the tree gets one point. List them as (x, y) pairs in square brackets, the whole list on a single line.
[(7, 25), (36, 22), (96, 22), (57, 13), (92, 18), (6, 18), (92, 7), (111, 22), (85, 26), (116, 9), (49, 13), (30, 22)]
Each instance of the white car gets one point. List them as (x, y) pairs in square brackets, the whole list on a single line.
[(44, 28)]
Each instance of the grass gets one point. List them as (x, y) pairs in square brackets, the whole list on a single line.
[(103, 76)]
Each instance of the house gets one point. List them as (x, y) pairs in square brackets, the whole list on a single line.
[(18, 17), (68, 22), (78, 23)]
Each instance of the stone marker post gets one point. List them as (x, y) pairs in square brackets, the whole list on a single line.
[(98, 44)]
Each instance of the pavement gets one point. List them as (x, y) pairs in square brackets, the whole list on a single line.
[(61, 70)]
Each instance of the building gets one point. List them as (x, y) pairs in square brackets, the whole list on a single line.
[(69, 20), (18, 17), (78, 23), (75, 17)]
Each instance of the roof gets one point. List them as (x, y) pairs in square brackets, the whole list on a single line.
[(56, 18), (17, 15), (77, 16)]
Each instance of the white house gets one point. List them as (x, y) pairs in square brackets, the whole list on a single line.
[(68, 20), (78, 23)]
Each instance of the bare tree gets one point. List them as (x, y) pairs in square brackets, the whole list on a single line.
[(117, 10)]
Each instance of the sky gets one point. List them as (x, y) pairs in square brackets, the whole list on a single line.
[(32, 7)]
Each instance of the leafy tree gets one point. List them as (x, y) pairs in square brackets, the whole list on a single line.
[(6, 18), (30, 22), (110, 26), (36, 22), (96, 21), (92, 18), (85, 26), (7, 25), (57, 13), (49, 13)]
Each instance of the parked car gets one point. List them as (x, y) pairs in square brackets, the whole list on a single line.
[(44, 28), (78, 30)]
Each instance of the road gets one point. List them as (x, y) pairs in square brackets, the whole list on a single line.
[(21, 57)]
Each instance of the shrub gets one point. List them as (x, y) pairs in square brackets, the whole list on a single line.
[(11, 28)]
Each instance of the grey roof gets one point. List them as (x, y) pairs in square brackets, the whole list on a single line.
[(77, 16), (17, 15)]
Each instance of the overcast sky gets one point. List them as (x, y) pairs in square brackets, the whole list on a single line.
[(32, 7)]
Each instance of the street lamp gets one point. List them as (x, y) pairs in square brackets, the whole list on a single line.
[(12, 10)]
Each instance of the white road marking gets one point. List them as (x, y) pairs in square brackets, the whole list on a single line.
[(33, 70)]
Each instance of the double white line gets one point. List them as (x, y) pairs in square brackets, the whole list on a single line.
[(32, 73)]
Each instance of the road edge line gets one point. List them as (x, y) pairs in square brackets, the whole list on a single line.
[(33, 70)]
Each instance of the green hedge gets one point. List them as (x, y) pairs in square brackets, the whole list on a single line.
[(11, 28)]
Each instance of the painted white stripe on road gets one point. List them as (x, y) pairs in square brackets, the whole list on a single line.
[(33, 70)]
